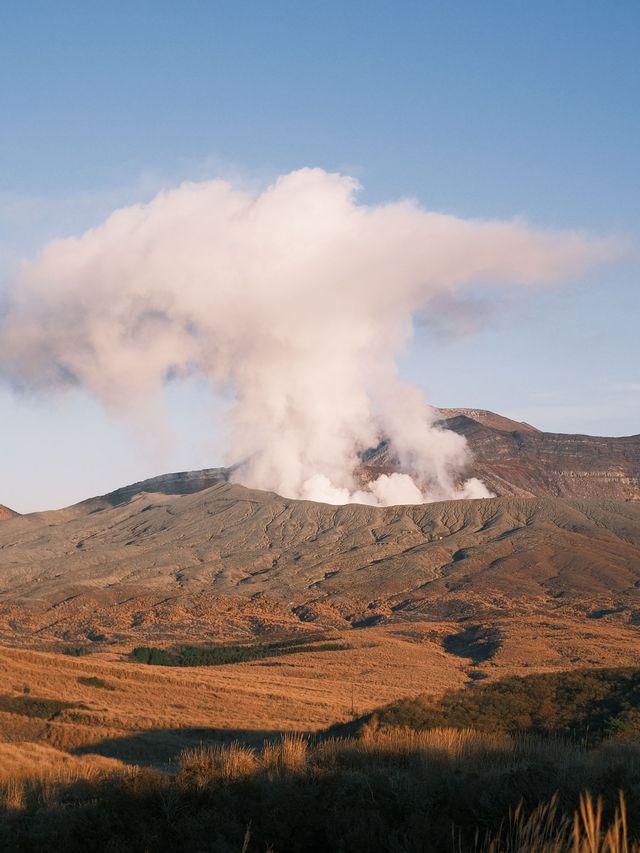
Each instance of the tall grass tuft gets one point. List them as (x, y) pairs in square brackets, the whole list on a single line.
[(205, 765), (288, 755), (545, 830), (394, 790)]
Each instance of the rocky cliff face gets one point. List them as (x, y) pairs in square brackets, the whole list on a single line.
[(516, 459), (5, 512), (542, 463)]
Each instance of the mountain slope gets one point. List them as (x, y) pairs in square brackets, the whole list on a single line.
[(512, 458), (349, 564), (191, 549), (488, 419), (517, 459), (5, 512)]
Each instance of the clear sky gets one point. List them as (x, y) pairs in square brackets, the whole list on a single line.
[(491, 109)]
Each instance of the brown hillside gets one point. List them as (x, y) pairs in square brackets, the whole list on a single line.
[(516, 459), (237, 560), (488, 419)]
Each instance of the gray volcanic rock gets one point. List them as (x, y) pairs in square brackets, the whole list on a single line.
[(182, 483)]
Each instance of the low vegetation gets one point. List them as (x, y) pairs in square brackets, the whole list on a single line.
[(585, 705), (525, 765), (76, 651), (94, 681), (33, 706), (478, 643), (228, 653), (438, 790)]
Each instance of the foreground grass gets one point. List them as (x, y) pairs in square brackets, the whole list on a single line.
[(400, 790)]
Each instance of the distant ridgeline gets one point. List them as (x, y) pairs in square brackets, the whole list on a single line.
[(514, 458)]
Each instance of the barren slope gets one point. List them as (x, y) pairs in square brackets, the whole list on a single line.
[(232, 559), (516, 459), (488, 419)]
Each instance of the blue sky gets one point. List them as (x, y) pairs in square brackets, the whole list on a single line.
[(489, 109)]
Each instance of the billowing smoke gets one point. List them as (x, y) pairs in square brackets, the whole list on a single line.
[(298, 298)]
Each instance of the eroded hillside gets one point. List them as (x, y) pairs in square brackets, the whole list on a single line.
[(514, 458), (231, 553)]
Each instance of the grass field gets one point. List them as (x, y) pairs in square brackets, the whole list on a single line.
[(100, 751), (147, 714), (440, 790)]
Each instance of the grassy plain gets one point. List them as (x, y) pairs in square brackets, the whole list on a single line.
[(100, 749), (141, 713)]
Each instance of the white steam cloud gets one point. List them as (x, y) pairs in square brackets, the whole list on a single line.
[(299, 297)]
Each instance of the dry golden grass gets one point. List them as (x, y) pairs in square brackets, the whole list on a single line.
[(588, 833), (438, 789), (28, 760), (217, 763), (162, 706), (300, 692), (545, 831), (32, 774)]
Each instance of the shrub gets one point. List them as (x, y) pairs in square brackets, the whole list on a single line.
[(32, 706), (581, 704), (94, 681), (76, 651), (475, 642), (227, 653)]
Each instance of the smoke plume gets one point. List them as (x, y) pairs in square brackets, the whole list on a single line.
[(299, 298)]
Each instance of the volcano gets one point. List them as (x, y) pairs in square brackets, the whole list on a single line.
[(193, 553)]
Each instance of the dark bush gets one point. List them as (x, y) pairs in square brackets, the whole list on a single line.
[(581, 704), (228, 653), (32, 706), (94, 681), (76, 651)]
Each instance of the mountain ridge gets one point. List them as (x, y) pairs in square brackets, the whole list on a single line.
[(527, 462), (191, 554), (510, 457)]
